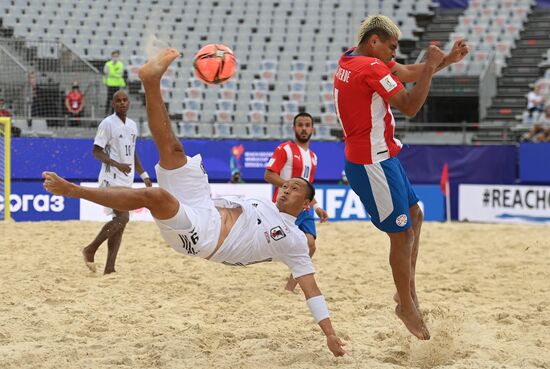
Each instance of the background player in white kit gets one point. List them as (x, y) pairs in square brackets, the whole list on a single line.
[(115, 147), (235, 231), (296, 159)]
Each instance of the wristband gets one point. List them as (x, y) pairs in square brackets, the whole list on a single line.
[(316, 206), (318, 308), (144, 175)]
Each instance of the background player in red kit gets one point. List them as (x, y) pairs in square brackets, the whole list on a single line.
[(367, 81), (296, 159)]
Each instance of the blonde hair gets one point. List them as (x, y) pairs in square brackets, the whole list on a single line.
[(378, 22)]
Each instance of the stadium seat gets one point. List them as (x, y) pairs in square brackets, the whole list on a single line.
[(188, 130), (242, 131), (256, 116), (288, 131), (40, 128), (290, 107), (257, 131), (322, 132), (205, 130), (223, 130), (273, 131), (329, 118)]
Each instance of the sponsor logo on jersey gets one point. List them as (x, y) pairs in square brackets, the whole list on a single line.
[(266, 234), (401, 220), (277, 233)]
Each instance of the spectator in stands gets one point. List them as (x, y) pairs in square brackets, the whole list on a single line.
[(4, 111), (74, 103), (236, 177), (113, 78), (535, 101), (540, 131)]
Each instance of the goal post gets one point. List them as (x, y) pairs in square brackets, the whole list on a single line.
[(5, 166)]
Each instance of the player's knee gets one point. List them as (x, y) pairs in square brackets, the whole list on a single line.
[(155, 195), (122, 218), (312, 247), (419, 216)]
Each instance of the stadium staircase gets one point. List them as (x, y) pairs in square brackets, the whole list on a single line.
[(521, 69)]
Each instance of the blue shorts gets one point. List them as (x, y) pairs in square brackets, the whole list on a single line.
[(306, 223), (385, 191)]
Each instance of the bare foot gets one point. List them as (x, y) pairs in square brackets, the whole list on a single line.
[(413, 322), (414, 298), (89, 260), (56, 185), (156, 66), (291, 284), (109, 271)]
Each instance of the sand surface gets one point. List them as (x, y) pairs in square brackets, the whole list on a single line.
[(484, 290)]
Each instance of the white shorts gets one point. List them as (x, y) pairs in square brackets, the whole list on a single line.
[(106, 184), (195, 229)]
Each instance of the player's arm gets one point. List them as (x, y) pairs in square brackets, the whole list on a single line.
[(82, 103), (102, 156), (321, 213), (319, 310), (273, 178), (142, 173), (274, 166), (410, 102), (413, 72), (67, 104)]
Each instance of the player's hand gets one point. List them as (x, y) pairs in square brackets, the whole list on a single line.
[(434, 56), (458, 52), (148, 182), (322, 214), (335, 345), (124, 168)]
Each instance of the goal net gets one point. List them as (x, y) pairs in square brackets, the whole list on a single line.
[(37, 78)]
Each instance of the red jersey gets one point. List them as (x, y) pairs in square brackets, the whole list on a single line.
[(362, 88), (75, 100), (290, 160)]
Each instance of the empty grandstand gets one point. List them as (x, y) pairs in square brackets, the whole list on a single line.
[(287, 52)]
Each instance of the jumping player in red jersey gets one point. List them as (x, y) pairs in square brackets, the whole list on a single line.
[(296, 159), (366, 83)]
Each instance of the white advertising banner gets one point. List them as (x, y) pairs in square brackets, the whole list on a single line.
[(504, 204), (92, 211)]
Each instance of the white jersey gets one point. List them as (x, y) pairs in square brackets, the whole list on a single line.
[(262, 233), (118, 140)]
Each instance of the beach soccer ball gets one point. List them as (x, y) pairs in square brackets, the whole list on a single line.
[(214, 64)]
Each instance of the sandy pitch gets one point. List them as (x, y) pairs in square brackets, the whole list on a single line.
[(485, 291)]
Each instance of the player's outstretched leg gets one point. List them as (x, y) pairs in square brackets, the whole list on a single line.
[(170, 149), (160, 203)]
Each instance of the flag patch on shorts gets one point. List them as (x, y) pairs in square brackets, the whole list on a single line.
[(401, 220), (388, 83)]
